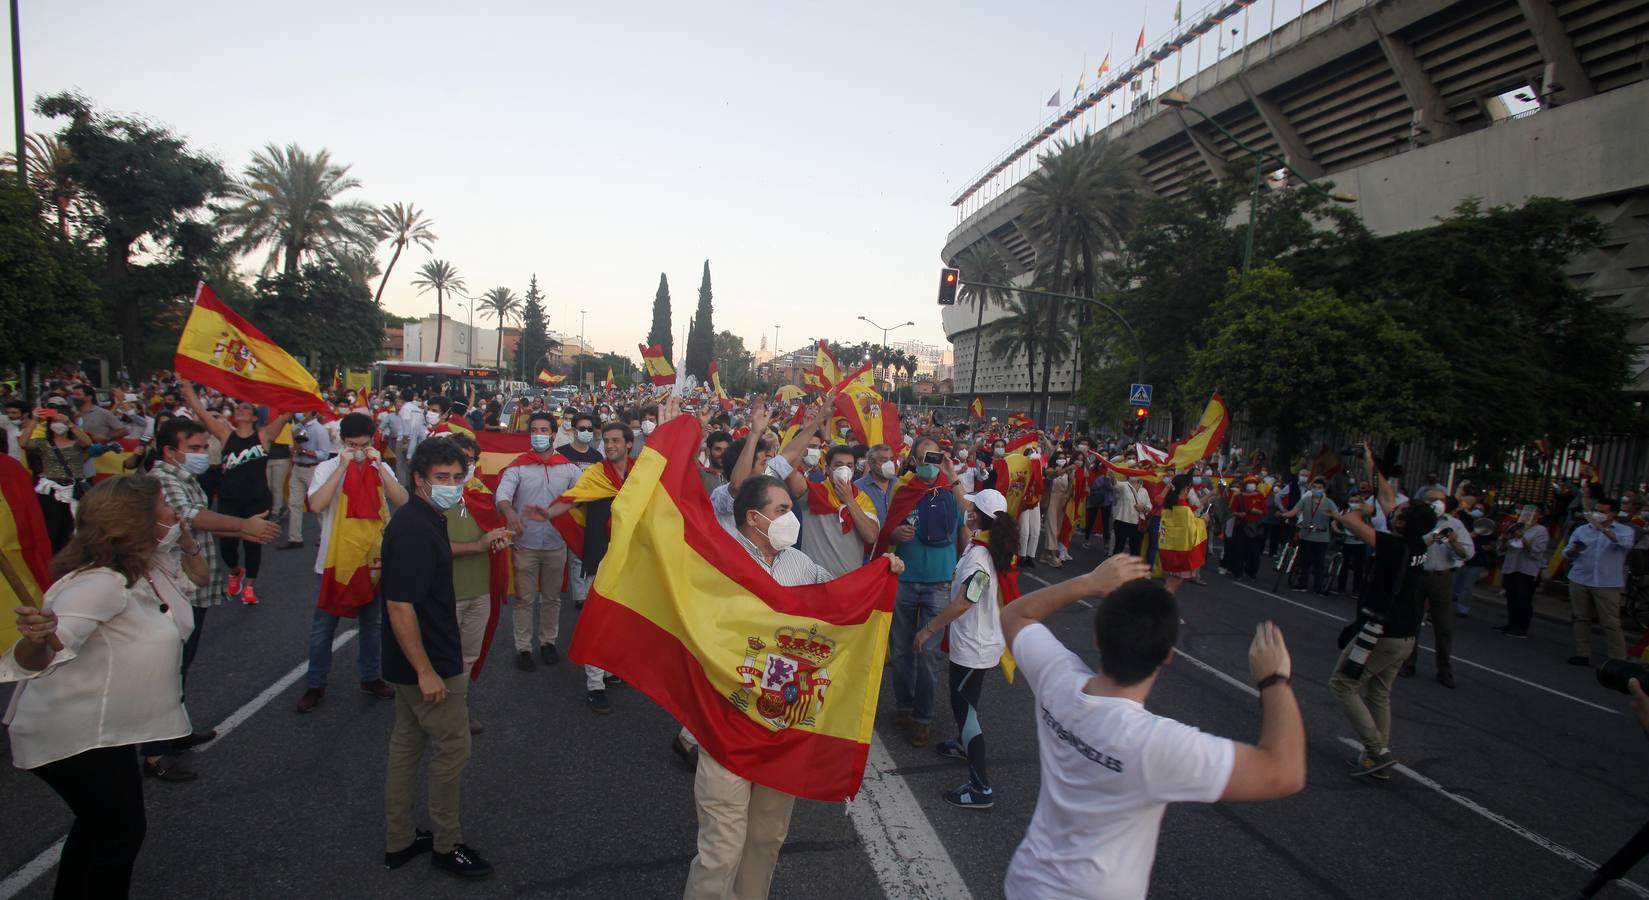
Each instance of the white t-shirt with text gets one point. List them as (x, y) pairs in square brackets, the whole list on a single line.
[(1109, 769)]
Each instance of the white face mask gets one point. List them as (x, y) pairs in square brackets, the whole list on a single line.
[(60, 428), (842, 473), (812, 456), (432, 417), (172, 532), (888, 469), (783, 531), (647, 426), (1437, 507)]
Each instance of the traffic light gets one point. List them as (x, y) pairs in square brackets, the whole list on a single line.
[(1140, 412), (948, 281)]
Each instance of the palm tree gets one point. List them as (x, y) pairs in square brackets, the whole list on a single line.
[(287, 200), (1020, 331), (401, 223), (49, 161), (1079, 205), (982, 264), (440, 276), (502, 304)]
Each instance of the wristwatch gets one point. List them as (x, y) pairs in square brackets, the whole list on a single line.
[(1278, 678)]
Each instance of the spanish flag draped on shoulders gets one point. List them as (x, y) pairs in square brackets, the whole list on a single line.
[(1076, 506), (901, 502), (779, 684), (482, 506), (599, 482), (825, 498), (24, 544), (1183, 543), (352, 535)]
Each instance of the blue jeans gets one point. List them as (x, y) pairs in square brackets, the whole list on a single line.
[(916, 604), (1465, 580), (369, 652)]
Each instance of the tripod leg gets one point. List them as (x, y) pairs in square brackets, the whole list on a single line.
[(1619, 864)]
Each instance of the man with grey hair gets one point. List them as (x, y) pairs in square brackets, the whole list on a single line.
[(1448, 546), (877, 482)]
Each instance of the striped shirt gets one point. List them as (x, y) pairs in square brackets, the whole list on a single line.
[(791, 567), (186, 497)]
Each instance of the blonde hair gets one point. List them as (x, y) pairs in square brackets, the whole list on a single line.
[(114, 528)]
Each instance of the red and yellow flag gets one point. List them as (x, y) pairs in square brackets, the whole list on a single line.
[(1020, 420), (482, 506), (715, 381), (1183, 543), (902, 499), (599, 482), (829, 370), (977, 408), (1076, 506), (224, 351), (658, 368), (24, 543), (1204, 439), (498, 450), (356, 541), (787, 392), (1019, 478), (545, 378), (610, 384), (113, 462), (778, 684)]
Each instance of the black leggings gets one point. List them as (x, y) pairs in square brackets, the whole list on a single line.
[(965, 684), (59, 521), (231, 546), (104, 790)]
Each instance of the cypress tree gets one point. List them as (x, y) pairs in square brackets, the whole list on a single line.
[(660, 332), (701, 340), (535, 336)]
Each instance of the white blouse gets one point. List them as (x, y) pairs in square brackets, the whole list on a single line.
[(116, 681)]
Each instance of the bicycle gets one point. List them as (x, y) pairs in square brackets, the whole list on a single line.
[(1287, 565)]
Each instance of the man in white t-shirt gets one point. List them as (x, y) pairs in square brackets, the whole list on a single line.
[(1109, 766)]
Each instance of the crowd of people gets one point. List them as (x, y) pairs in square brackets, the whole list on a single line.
[(410, 536)]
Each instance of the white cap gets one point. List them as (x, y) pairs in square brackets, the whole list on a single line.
[(988, 502)]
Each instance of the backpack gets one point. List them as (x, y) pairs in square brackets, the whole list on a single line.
[(936, 518)]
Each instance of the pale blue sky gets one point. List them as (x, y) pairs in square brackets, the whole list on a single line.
[(809, 152)]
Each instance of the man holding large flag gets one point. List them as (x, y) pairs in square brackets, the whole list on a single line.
[(718, 630), (349, 493), (221, 350)]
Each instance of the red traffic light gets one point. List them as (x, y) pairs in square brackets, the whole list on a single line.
[(949, 280), (1140, 412)]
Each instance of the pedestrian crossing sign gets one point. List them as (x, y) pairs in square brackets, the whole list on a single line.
[(1139, 394)]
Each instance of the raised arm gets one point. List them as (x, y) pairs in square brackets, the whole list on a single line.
[(271, 431), (1387, 494), (1275, 767), (1040, 604), (214, 425)]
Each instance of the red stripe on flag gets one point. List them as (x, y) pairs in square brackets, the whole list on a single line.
[(276, 397)]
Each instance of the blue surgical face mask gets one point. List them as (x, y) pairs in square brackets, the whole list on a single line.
[(541, 442), (1477, 514), (927, 471), (445, 496), (584, 436), (196, 463), (1196, 479)]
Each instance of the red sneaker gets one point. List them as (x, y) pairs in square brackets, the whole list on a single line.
[(248, 597), (235, 577)]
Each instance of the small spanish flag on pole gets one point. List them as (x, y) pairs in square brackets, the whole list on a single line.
[(610, 384), (658, 368), (977, 408), (545, 378), (221, 350)]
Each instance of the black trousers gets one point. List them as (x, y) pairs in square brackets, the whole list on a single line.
[(104, 790), (1244, 551), (1519, 601), (1129, 539), (965, 685), (231, 546), (1352, 570), (59, 521), (1314, 562)]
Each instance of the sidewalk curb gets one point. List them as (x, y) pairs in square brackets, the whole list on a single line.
[(1492, 596)]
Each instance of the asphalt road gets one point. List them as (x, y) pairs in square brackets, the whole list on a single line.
[(1513, 777)]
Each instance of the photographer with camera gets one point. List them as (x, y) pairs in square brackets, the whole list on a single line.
[(1597, 572), (1377, 642)]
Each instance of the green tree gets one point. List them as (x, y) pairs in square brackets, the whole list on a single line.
[(320, 311), (535, 336), (288, 201), (145, 187), (660, 332), (439, 276), (49, 163), (1290, 360), (736, 364), (402, 223), (1080, 203), (982, 264), (1531, 354), (47, 304), (501, 304), (701, 339)]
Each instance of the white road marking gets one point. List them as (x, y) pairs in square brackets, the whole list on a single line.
[(15, 883), (1460, 659), (903, 848), (1532, 837)]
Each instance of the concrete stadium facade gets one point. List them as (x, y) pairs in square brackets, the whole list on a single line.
[(1405, 104)]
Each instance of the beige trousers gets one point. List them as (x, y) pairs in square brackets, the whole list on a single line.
[(1367, 700), (297, 489), (445, 726), (537, 572), (472, 627), (1603, 605), (741, 828)]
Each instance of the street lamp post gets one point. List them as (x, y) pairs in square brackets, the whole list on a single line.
[(1178, 100), (884, 336), (581, 348)]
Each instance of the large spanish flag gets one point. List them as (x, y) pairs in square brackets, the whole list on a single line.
[(658, 368), (1020, 480), (544, 377), (778, 684), (355, 543), (871, 419), (1183, 542), (24, 543), (1204, 439), (224, 351)]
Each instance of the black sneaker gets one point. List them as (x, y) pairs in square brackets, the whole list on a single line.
[(463, 862), (611, 680), (524, 661), (969, 797), (1373, 765), (422, 842), (598, 703), (549, 655)]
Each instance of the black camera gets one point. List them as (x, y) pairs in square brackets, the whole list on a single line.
[(1615, 674), (1362, 644)]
